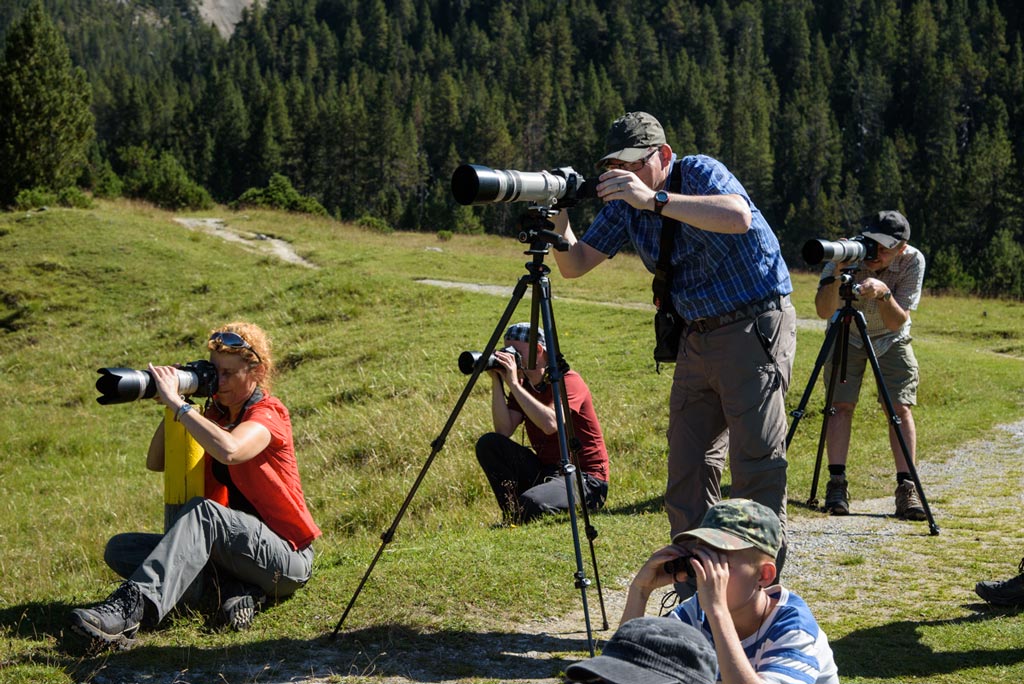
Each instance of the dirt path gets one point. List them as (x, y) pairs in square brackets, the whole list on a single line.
[(253, 242)]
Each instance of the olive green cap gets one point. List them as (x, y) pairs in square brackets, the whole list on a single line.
[(631, 136), (736, 524)]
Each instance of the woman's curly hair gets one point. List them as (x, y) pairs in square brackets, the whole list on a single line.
[(261, 362)]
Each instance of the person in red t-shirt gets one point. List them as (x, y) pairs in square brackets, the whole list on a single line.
[(528, 483), (251, 531)]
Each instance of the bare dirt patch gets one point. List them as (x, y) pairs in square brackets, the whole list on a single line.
[(253, 242)]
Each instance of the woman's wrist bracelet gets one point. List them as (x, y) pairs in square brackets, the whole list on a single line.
[(182, 410)]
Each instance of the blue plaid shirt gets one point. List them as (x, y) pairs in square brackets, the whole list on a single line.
[(712, 273)]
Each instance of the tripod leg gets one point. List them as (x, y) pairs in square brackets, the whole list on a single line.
[(826, 416), (590, 530), (894, 420), (799, 412), (840, 344), (574, 450), (826, 347), (438, 443), (542, 298)]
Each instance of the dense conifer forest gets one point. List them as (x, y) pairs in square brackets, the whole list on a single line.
[(826, 111)]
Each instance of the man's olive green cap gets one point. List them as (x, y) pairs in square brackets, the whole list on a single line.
[(631, 136), (736, 524)]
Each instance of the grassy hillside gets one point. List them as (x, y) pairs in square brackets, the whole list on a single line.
[(368, 369)]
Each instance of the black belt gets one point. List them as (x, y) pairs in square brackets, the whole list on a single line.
[(753, 310)]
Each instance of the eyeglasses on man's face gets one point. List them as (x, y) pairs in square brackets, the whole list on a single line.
[(632, 167)]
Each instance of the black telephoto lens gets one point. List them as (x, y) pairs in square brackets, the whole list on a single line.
[(467, 361), (121, 385)]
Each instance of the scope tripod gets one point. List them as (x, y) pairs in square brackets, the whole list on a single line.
[(537, 277), (839, 329)]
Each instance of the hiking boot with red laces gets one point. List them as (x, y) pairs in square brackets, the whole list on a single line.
[(115, 621), (1005, 593), (837, 496), (908, 504)]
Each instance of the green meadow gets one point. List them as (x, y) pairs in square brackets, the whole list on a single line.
[(367, 356)]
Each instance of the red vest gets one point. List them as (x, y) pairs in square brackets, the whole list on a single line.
[(270, 480)]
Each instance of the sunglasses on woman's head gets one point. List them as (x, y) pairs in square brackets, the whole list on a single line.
[(234, 341)]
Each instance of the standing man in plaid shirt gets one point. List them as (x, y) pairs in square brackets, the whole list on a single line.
[(888, 288), (730, 283)]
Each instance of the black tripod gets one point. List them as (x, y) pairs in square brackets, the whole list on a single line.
[(839, 328), (537, 277)]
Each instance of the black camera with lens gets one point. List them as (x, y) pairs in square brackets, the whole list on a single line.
[(121, 385), (859, 248), (469, 359), (680, 564)]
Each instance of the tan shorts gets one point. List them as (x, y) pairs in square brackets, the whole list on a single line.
[(898, 367)]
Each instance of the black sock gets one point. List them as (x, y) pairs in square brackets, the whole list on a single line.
[(902, 477), (837, 470)]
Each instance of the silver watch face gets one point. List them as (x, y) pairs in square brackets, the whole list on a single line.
[(661, 196)]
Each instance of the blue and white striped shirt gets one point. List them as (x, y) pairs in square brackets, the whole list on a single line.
[(712, 273), (789, 648)]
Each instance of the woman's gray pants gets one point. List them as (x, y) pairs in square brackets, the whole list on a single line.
[(168, 567)]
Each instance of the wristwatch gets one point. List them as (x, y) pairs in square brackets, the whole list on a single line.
[(886, 297), (660, 200)]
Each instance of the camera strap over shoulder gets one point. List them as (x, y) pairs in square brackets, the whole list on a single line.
[(669, 230)]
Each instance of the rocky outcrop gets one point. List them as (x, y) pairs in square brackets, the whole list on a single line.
[(223, 14)]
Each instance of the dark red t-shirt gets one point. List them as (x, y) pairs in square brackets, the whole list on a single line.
[(593, 456)]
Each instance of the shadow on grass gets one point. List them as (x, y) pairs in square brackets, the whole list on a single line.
[(40, 637), (910, 657), (653, 505)]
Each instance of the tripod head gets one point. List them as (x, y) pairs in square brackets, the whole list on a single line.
[(535, 229), (847, 290)]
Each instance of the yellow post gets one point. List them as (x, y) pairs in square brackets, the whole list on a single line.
[(183, 467)]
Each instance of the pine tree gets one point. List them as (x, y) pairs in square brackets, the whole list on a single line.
[(46, 125), (809, 153), (753, 94)]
